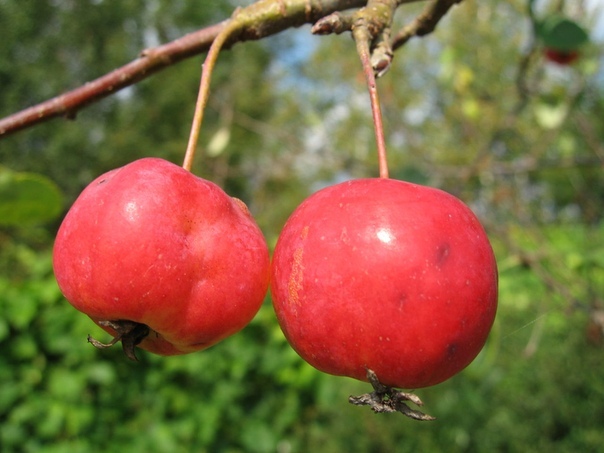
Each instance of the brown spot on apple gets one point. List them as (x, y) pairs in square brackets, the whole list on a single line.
[(442, 254), (297, 274), (451, 351)]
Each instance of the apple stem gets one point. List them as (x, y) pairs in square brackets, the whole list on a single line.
[(361, 37), (388, 399), (229, 27)]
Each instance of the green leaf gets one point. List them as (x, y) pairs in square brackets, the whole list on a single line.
[(27, 198), (560, 33)]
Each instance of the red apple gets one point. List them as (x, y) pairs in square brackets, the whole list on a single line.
[(154, 246), (388, 276), (561, 57)]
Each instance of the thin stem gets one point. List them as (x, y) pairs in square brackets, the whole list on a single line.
[(361, 38), (204, 89)]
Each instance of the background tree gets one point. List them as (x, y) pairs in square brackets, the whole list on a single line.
[(474, 108)]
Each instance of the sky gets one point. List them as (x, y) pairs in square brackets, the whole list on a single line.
[(597, 7)]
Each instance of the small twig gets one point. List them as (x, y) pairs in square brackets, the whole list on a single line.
[(385, 399), (337, 23), (382, 53), (377, 19), (425, 23), (361, 38)]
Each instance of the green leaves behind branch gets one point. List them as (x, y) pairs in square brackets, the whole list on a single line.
[(560, 33), (27, 198)]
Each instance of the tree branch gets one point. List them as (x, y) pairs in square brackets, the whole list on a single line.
[(425, 23), (265, 18), (149, 62)]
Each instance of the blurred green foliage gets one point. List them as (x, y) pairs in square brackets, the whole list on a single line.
[(520, 144), (28, 198), (536, 386)]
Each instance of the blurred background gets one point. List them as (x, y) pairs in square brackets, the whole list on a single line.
[(475, 109)]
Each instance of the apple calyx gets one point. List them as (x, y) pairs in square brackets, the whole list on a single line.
[(385, 399), (130, 333)]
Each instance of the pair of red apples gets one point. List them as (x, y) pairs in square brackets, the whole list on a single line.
[(374, 274)]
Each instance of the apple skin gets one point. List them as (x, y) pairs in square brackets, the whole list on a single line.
[(385, 275), (561, 57), (154, 244)]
